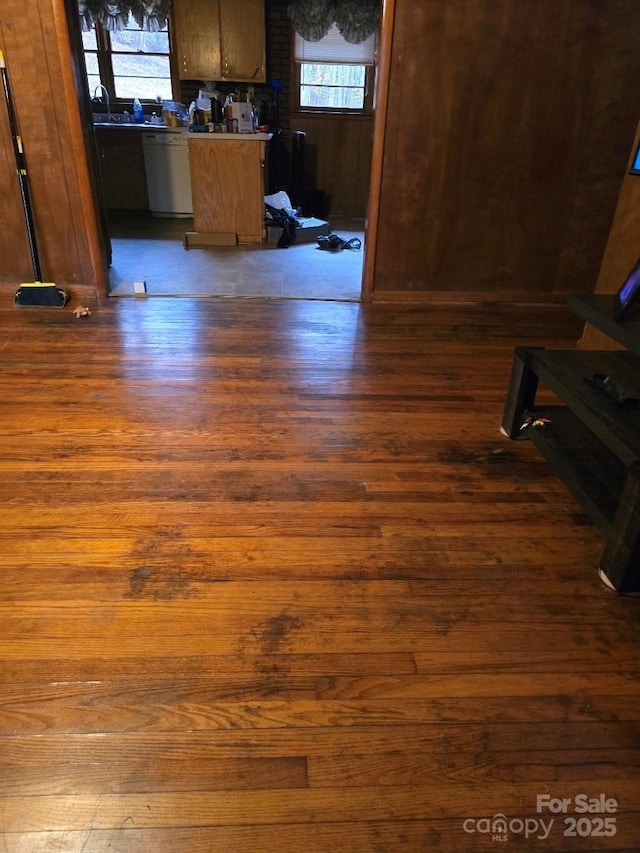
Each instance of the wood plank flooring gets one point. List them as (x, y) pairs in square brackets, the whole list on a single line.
[(272, 580)]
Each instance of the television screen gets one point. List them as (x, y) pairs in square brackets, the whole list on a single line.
[(635, 163), (628, 292)]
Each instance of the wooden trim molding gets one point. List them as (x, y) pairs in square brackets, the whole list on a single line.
[(87, 220), (471, 297), (379, 128)]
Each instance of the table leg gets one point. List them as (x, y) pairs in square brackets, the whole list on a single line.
[(521, 395), (621, 557)]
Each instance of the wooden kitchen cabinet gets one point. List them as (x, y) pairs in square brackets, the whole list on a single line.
[(121, 163), (242, 39), (227, 185), (220, 40)]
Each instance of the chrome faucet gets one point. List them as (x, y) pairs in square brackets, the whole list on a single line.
[(106, 98)]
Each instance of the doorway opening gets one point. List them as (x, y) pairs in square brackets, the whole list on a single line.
[(151, 250)]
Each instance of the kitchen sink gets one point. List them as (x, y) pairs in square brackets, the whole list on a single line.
[(101, 119)]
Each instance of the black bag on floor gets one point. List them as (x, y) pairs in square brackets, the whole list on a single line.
[(35, 294)]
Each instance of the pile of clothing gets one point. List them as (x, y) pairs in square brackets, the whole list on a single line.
[(279, 211)]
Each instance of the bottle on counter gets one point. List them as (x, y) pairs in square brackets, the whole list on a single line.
[(138, 112)]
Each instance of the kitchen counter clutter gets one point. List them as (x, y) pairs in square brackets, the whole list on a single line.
[(227, 187)]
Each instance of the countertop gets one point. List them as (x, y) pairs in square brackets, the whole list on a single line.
[(163, 128), (130, 125), (248, 137)]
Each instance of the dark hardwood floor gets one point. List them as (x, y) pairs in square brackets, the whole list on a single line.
[(272, 580)]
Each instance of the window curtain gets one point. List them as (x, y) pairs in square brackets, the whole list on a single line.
[(334, 49), (356, 20), (148, 14)]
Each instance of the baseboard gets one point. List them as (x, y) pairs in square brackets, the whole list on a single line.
[(427, 297)]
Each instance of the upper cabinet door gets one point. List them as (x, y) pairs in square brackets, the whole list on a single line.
[(197, 39), (242, 38)]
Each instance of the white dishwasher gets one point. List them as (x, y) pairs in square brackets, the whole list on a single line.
[(166, 163)]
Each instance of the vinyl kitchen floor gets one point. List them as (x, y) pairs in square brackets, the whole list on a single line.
[(152, 250)]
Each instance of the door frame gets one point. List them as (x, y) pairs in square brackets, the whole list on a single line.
[(385, 40), (97, 233)]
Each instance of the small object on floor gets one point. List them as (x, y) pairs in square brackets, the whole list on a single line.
[(535, 422), (81, 311), (605, 580), (335, 243), (37, 293)]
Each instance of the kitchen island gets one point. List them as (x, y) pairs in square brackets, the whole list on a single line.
[(227, 186)]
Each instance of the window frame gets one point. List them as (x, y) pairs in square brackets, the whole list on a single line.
[(370, 70), (104, 53), (369, 87)]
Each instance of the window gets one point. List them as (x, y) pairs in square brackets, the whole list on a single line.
[(131, 63), (335, 87), (334, 74)]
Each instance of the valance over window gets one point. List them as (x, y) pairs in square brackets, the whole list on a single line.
[(148, 14), (356, 20)]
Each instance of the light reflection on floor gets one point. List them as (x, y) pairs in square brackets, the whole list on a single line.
[(164, 340)]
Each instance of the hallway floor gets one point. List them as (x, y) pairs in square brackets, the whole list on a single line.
[(152, 250)]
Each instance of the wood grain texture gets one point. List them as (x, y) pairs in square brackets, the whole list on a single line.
[(227, 185), (271, 580), (505, 142), (338, 159), (242, 40), (197, 39), (621, 252), (121, 160), (46, 100), (508, 130)]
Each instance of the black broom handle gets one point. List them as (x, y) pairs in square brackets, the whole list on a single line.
[(21, 167)]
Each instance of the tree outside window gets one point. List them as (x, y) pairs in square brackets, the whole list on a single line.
[(334, 74), (130, 63), (335, 87)]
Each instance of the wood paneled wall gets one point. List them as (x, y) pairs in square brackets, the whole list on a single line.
[(507, 135), (14, 248), (508, 129), (338, 155), (35, 39), (623, 248)]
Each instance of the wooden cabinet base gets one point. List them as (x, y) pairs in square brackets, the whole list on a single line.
[(194, 240), (227, 185)]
